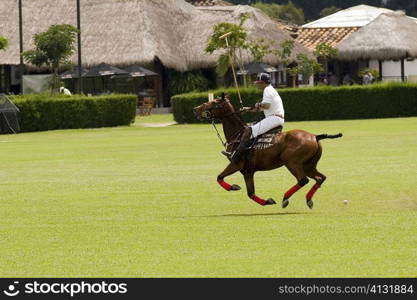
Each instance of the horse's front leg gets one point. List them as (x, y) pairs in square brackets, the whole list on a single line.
[(230, 169), (250, 187)]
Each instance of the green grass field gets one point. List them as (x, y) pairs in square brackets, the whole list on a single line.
[(144, 202)]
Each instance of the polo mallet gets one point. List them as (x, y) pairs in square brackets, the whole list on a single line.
[(224, 37)]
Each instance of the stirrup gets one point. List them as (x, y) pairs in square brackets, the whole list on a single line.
[(236, 156), (227, 154)]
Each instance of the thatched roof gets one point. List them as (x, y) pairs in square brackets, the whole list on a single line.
[(259, 26), (390, 36), (123, 32), (113, 31), (209, 2)]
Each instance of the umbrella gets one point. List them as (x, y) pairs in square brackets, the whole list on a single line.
[(134, 72), (73, 73), (138, 71), (104, 70), (256, 68)]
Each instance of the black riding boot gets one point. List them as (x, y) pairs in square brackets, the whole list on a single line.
[(244, 141)]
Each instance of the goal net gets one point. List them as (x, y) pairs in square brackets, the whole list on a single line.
[(9, 116)]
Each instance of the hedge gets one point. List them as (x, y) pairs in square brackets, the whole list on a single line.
[(318, 103), (39, 112)]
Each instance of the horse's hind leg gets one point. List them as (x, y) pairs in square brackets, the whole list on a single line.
[(230, 169), (319, 178), (310, 168), (250, 187), (298, 171)]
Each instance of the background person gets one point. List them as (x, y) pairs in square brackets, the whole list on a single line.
[(367, 78), (333, 80), (64, 91), (347, 80)]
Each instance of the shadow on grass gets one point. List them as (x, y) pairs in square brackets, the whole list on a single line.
[(255, 215)]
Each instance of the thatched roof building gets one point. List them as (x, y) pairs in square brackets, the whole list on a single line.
[(366, 37), (259, 26), (391, 36), (312, 37), (209, 2), (124, 32), (337, 27), (355, 16), (113, 31)]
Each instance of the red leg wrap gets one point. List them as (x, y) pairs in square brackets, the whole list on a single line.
[(225, 185), (313, 190), (258, 200), (291, 191)]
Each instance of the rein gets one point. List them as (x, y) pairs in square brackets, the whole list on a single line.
[(218, 134), (225, 144), (208, 114)]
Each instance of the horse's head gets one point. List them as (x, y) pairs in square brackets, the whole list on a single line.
[(216, 109)]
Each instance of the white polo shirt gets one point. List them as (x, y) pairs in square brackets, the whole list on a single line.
[(272, 97)]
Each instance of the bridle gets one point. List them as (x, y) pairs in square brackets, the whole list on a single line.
[(207, 114)]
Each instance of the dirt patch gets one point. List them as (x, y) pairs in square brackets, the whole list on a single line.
[(156, 125)]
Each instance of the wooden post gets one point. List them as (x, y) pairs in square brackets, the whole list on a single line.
[(21, 65), (157, 87), (402, 70), (159, 83), (80, 79), (380, 69), (224, 36)]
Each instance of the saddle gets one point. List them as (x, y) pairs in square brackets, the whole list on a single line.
[(265, 140), (261, 142)]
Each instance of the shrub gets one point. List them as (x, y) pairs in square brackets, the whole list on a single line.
[(40, 112), (186, 82), (318, 103), (182, 105)]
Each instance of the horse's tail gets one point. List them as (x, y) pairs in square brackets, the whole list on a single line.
[(328, 136)]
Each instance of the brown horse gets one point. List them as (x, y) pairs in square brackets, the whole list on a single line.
[(298, 150)]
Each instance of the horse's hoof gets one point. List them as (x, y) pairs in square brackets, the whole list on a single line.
[(310, 204), (270, 201), (285, 203), (235, 187)]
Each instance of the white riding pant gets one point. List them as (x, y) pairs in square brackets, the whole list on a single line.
[(266, 125)]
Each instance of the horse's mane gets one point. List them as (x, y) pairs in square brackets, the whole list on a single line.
[(237, 113)]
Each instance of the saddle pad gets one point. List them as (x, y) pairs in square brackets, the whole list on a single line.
[(265, 140)]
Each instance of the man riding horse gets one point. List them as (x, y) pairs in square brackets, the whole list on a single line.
[(273, 109), (298, 150)]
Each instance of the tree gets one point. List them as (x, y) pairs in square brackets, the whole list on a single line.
[(310, 66), (260, 48), (312, 8), (305, 66), (329, 11), (53, 48), (272, 10), (410, 7), (292, 14), (286, 50), (4, 43), (185, 82), (288, 12), (236, 43), (325, 52)]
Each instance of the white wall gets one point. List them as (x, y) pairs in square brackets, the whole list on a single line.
[(282, 73), (391, 70)]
